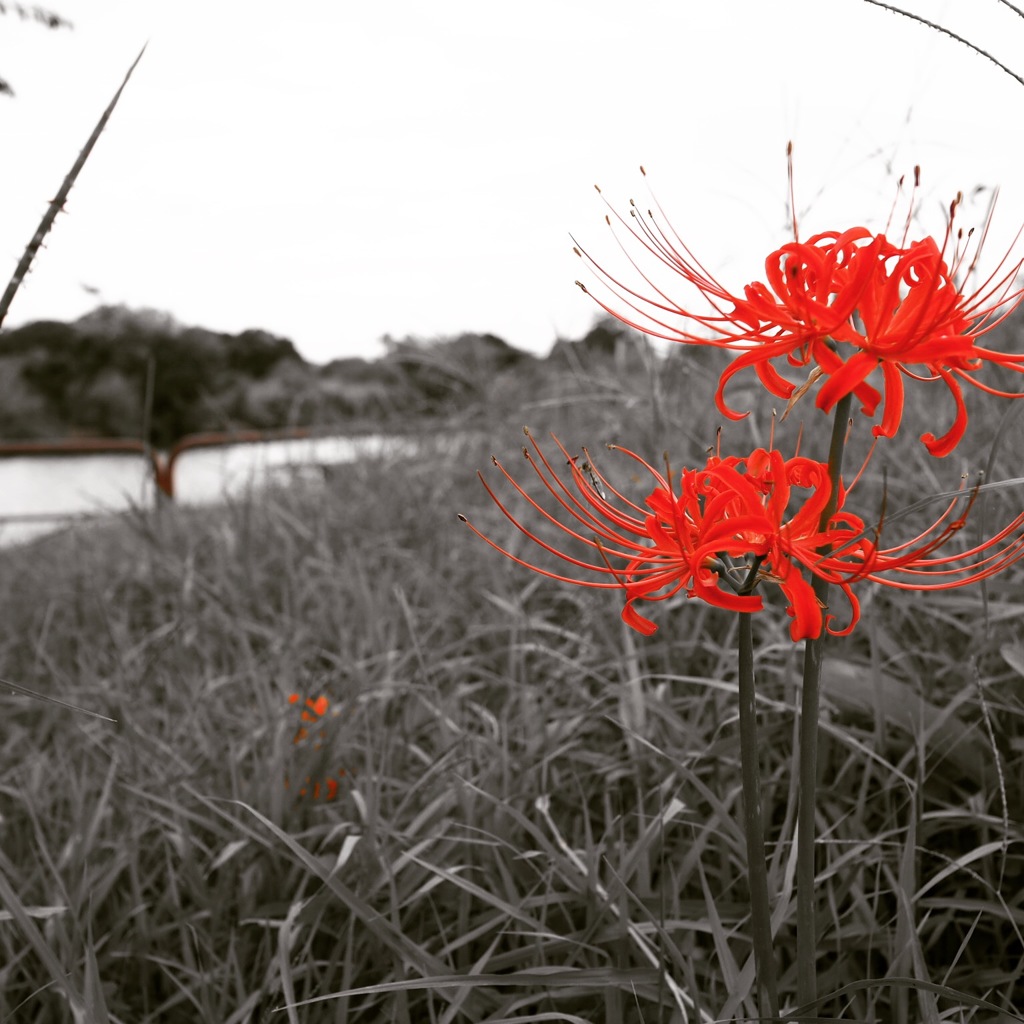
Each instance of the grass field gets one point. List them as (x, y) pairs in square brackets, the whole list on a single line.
[(537, 813)]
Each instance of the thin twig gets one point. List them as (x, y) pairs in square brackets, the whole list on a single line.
[(953, 35), (57, 203), (1016, 10)]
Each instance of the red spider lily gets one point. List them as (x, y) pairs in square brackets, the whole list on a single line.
[(842, 303), (313, 711), (700, 540), (910, 566), (726, 518)]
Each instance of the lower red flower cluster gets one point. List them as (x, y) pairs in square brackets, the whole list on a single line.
[(731, 525)]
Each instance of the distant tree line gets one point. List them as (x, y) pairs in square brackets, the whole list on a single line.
[(139, 374), (118, 374)]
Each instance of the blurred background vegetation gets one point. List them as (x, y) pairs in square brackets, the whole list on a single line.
[(92, 378), (525, 787)]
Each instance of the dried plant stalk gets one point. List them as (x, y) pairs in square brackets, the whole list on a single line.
[(57, 203)]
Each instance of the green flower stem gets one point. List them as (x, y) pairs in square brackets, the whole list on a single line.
[(806, 927), (760, 913)]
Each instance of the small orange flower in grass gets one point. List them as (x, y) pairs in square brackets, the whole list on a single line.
[(313, 712), (703, 538), (843, 303)]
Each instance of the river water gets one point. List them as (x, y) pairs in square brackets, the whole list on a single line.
[(40, 493)]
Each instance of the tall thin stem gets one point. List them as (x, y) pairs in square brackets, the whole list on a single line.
[(57, 203), (806, 911), (760, 912)]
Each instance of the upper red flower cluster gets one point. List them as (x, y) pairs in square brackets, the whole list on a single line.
[(844, 303)]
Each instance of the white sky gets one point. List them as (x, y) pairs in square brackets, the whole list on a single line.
[(333, 171)]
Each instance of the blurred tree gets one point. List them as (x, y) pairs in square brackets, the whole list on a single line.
[(602, 342), (91, 376), (24, 412), (286, 396), (448, 373), (38, 14), (110, 405), (256, 353), (355, 388)]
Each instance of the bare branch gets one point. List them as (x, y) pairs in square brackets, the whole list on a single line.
[(945, 31)]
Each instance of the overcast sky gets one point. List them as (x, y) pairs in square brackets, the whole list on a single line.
[(335, 171)]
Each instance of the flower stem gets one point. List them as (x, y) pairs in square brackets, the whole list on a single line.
[(806, 928), (760, 913)]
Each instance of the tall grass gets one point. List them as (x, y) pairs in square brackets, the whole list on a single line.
[(538, 817)]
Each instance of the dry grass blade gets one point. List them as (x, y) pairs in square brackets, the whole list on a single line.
[(96, 1007), (432, 888), (913, 985), (57, 972), (36, 695), (57, 203), (683, 1000), (402, 947)]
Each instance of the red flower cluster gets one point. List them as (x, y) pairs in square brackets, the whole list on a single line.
[(843, 303), (837, 308), (313, 712), (730, 517)]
